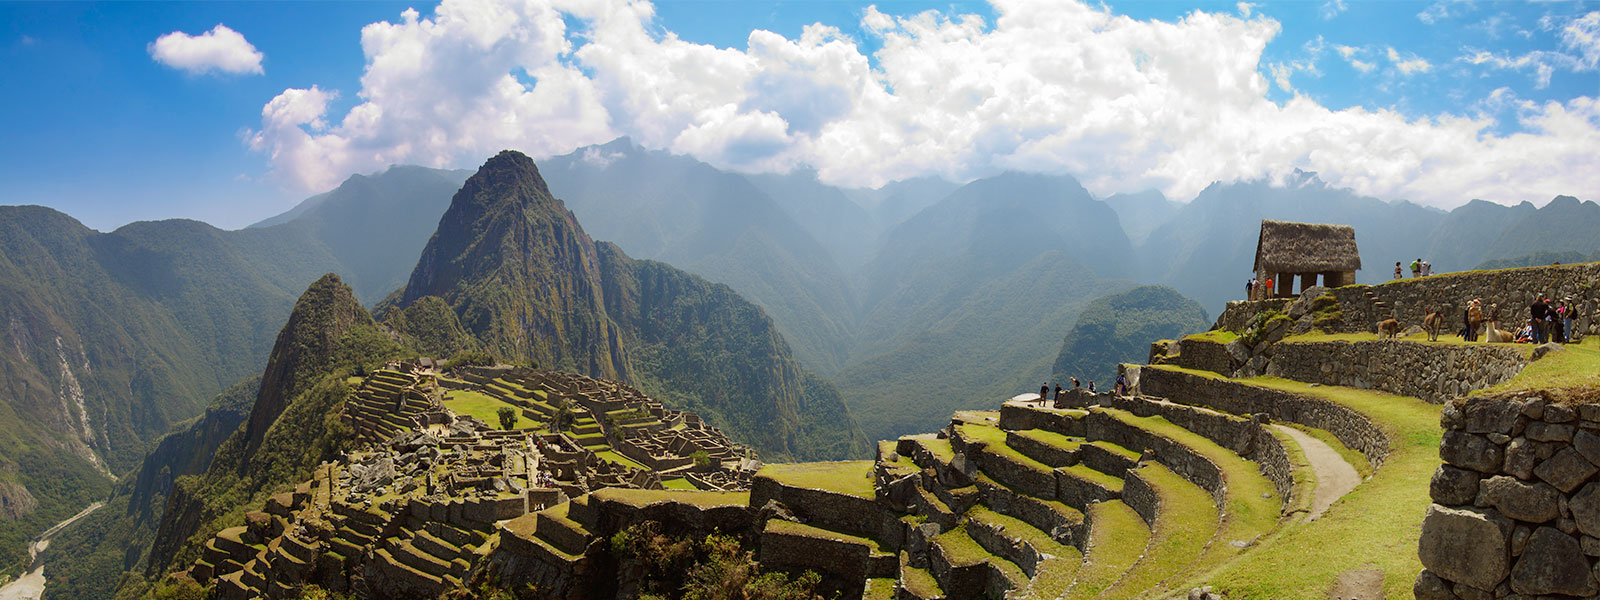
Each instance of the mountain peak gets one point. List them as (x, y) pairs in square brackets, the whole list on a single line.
[(514, 166)]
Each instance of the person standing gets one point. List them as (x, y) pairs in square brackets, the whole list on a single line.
[(1427, 268), (1416, 268), (1397, 270), (1267, 293), (1074, 382), (1058, 391), (1250, 289), (1122, 385), (1538, 311), (1091, 386), (1044, 392), (1566, 316)]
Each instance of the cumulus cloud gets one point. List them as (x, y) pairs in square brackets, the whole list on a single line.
[(220, 50), (1047, 86), (1582, 35)]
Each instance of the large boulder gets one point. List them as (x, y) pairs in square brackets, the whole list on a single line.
[(1454, 486), (1566, 470), (1585, 506), (1466, 545), (1553, 563), (1470, 451)]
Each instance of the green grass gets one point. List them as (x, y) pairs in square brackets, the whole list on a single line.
[(793, 528), (939, 448), (482, 406), (1576, 369), (879, 589), (1218, 336), (696, 498), (1103, 480), (1374, 526), (1014, 527), (1186, 520), (1116, 540), (920, 582), (678, 483), (1050, 438), (1251, 504), (612, 456), (853, 477), (1356, 459), (1305, 478)]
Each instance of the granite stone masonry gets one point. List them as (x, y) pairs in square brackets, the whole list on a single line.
[(1513, 516), (1433, 372)]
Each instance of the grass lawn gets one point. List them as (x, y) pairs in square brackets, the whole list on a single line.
[(678, 483), (482, 406), (694, 498), (611, 455), (1374, 526), (1116, 540), (852, 477), (1219, 336), (1575, 371), (1186, 520)]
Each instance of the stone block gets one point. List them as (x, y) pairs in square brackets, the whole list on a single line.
[(1559, 413), (1545, 432), (1431, 587), (1553, 563), (1467, 592), (1533, 408), (1565, 469), (1585, 506), (1470, 451), (1534, 503), (1587, 444), (1521, 457), (1589, 412), (1465, 545), (1484, 415), (1453, 486), (1519, 539)]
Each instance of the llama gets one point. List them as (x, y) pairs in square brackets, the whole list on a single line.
[(1496, 335), (1433, 323), (1389, 328)]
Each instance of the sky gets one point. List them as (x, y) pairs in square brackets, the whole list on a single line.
[(230, 112)]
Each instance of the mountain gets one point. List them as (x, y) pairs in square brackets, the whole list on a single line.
[(1119, 328), (1142, 213), (374, 225), (110, 338), (825, 212), (1463, 237), (897, 201), (718, 225), (1539, 259), (292, 425), (525, 280), (1206, 251), (1563, 224)]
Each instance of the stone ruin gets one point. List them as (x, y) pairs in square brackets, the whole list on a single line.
[(412, 513)]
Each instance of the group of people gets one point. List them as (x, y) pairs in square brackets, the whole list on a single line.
[(1419, 268), (1258, 290), (1547, 321), (1121, 388)]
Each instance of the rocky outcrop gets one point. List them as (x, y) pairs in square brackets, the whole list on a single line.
[(1516, 506)]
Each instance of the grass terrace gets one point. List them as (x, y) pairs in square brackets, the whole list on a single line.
[(1217, 336), (694, 498), (1375, 526), (678, 483), (846, 477), (1116, 541), (612, 456), (1574, 374), (482, 406)]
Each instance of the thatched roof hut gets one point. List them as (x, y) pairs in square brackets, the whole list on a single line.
[(1288, 247), (1307, 250)]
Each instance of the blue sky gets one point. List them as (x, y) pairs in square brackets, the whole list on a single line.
[(1436, 102)]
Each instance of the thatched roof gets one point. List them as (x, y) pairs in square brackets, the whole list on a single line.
[(1288, 247)]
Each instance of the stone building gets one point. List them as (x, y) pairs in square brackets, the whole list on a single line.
[(1307, 250)]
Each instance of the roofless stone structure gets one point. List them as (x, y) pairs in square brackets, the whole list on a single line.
[(1287, 249)]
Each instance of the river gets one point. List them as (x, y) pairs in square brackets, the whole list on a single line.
[(31, 585)]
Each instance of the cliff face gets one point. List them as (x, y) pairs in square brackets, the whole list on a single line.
[(520, 272)]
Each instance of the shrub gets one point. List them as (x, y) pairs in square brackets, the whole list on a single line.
[(508, 417)]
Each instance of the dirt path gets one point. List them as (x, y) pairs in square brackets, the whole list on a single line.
[(1335, 477), (30, 586)]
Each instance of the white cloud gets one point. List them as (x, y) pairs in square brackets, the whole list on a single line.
[(1245, 8), (1409, 65), (1440, 10), (1048, 86), (1332, 8), (1582, 35), (221, 50)]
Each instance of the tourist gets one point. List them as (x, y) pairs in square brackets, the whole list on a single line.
[(1122, 385), (1397, 270), (1416, 268), (1074, 382), (1250, 289), (1538, 312), (1058, 391), (1267, 293), (1044, 392), (1427, 268), (1091, 386), (1566, 317)]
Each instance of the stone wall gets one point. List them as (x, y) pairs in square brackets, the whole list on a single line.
[(1207, 355), (1352, 428), (1238, 315), (1433, 372), (1516, 504), (1409, 299)]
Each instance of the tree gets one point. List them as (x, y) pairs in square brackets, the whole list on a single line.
[(564, 416), (508, 417)]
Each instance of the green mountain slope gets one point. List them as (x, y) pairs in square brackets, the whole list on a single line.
[(1564, 224), (528, 283), (292, 426), (1119, 328), (110, 338)]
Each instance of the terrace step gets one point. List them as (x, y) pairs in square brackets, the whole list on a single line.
[(965, 569), (1117, 538), (916, 583), (1182, 518)]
